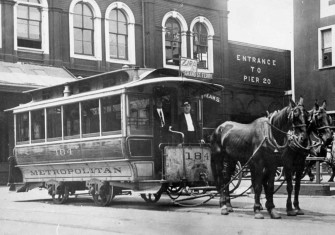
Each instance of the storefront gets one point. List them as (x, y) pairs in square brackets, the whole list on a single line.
[(15, 78)]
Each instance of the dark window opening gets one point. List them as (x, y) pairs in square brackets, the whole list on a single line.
[(37, 125), (54, 123), (22, 127), (111, 114), (90, 118), (71, 120), (172, 42), (200, 45)]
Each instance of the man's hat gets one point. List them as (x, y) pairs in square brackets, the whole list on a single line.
[(185, 102)]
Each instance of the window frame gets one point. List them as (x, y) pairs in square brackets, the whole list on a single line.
[(97, 44), (183, 27), (326, 9), (173, 41), (68, 137), (84, 29), (320, 47), (210, 44), (44, 27), (131, 51)]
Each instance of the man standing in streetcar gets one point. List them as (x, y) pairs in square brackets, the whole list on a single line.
[(188, 125), (161, 123)]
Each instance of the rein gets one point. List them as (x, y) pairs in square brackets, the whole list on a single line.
[(295, 145), (271, 140), (325, 127), (292, 139)]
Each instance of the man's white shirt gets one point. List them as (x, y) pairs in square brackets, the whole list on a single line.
[(161, 115), (189, 122)]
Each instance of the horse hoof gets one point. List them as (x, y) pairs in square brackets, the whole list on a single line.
[(292, 213), (274, 214), (224, 210), (258, 215), (300, 212)]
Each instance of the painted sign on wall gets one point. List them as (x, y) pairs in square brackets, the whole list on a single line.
[(257, 66)]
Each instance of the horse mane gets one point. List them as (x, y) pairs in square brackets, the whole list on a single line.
[(281, 122), (280, 118)]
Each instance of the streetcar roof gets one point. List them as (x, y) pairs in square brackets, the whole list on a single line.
[(145, 77), (201, 86)]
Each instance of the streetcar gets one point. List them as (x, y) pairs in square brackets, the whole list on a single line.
[(97, 134)]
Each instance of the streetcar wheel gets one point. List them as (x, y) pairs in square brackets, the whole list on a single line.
[(279, 173), (237, 181), (151, 197), (104, 196), (61, 194)]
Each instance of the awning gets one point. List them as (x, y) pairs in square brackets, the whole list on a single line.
[(18, 77)]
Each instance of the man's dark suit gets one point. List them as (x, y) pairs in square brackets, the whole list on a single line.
[(190, 137), (161, 135)]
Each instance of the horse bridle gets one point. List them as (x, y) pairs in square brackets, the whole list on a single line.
[(291, 116), (315, 121), (291, 135)]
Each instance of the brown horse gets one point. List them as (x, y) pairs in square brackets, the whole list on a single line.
[(256, 144), (294, 157)]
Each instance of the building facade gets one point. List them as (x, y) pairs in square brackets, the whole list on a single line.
[(87, 37), (259, 81), (314, 59)]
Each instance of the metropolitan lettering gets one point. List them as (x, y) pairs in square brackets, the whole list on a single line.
[(78, 171)]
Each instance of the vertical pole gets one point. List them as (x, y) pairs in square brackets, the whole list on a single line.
[(184, 162), (317, 171), (180, 73)]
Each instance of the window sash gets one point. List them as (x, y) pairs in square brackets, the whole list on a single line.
[(118, 35), (326, 47), (83, 30), (29, 23), (326, 38)]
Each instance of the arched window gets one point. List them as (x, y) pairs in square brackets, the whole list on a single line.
[(83, 25), (85, 30), (120, 34), (31, 24), (201, 41), (174, 28), (200, 45), (172, 42)]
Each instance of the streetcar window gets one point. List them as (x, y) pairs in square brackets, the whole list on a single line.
[(139, 115), (90, 118), (54, 122), (111, 114), (71, 120), (22, 127), (37, 125)]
